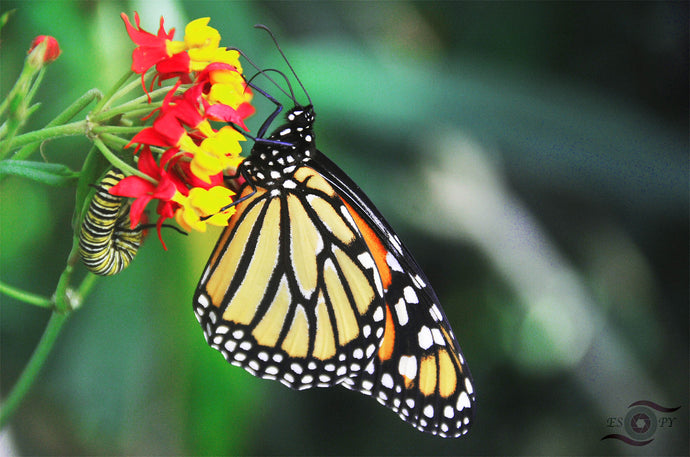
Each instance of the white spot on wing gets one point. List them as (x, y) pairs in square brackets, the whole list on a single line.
[(395, 242), (463, 401), (436, 313), (407, 366), (392, 262), (410, 295), (425, 338), (366, 260), (203, 299), (401, 312), (387, 381), (468, 386), (438, 337), (348, 218)]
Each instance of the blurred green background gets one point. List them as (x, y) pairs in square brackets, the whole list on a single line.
[(534, 158)]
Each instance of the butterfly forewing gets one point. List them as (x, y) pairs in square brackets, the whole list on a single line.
[(291, 292), (310, 286)]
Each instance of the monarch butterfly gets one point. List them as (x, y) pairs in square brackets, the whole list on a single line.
[(310, 286), (107, 244)]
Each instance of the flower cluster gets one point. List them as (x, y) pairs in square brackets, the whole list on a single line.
[(187, 178)]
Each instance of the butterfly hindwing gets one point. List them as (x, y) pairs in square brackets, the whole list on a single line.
[(419, 370)]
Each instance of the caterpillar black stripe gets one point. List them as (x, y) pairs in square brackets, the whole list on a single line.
[(107, 244)]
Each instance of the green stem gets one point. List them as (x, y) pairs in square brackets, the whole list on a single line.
[(66, 301), (38, 358), (116, 129), (61, 118), (24, 296), (115, 160), (110, 95), (127, 109), (122, 91), (64, 297), (17, 102), (85, 287), (21, 85), (100, 116), (113, 141), (73, 129), (34, 85)]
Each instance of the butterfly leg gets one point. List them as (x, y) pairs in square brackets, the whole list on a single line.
[(279, 108), (240, 172)]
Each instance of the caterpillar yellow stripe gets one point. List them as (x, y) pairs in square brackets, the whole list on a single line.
[(107, 244)]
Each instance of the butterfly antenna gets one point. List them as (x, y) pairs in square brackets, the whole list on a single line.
[(287, 81), (263, 72), (263, 27)]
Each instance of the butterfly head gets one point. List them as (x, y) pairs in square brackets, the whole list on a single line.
[(297, 134), (301, 117), (276, 158)]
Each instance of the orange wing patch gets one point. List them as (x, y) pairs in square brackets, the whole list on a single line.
[(388, 343), (377, 249)]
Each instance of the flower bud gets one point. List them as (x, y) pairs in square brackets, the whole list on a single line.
[(52, 50)]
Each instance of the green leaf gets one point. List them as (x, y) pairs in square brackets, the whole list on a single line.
[(52, 174)]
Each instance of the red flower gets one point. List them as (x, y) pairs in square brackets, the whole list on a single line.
[(176, 66), (166, 131), (225, 113), (151, 48), (143, 191), (176, 112)]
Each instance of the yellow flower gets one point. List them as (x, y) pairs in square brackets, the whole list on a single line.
[(217, 153), (203, 206)]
